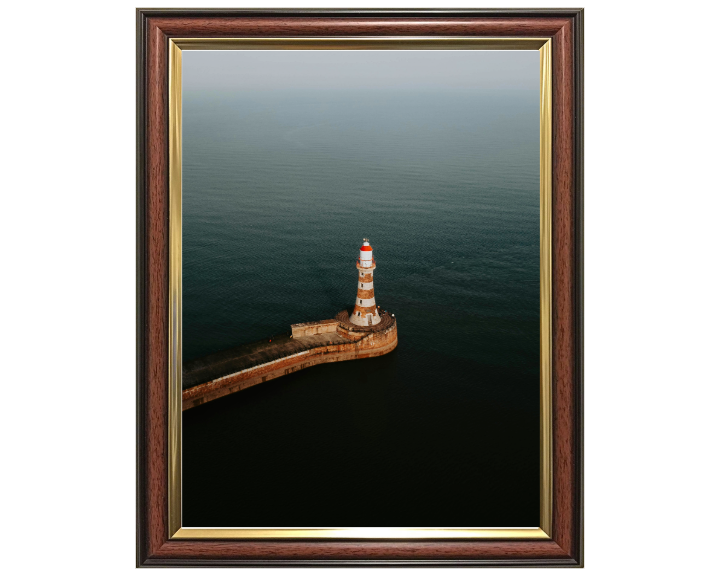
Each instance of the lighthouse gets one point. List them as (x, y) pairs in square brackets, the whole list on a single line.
[(364, 333), (366, 311)]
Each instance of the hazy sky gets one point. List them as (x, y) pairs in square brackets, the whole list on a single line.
[(256, 70)]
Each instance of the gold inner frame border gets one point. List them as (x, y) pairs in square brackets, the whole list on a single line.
[(176, 46)]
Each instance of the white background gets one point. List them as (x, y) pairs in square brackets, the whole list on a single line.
[(68, 284)]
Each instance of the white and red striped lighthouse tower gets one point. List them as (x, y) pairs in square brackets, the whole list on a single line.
[(366, 311)]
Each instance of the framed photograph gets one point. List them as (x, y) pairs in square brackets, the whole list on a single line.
[(359, 287)]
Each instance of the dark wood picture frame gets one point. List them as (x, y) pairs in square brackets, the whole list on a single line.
[(155, 27)]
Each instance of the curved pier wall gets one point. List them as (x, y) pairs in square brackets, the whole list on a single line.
[(369, 345)]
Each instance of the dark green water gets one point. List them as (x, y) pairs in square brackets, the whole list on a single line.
[(279, 190)]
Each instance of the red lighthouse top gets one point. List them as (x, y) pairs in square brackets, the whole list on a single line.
[(366, 255)]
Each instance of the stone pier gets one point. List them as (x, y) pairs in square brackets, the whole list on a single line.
[(309, 343)]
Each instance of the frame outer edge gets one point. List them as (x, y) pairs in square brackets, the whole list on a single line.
[(578, 72), (140, 312), (364, 12), (576, 16)]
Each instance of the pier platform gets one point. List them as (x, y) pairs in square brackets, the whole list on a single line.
[(235, 369)]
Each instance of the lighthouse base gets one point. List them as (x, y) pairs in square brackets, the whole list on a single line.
[(351, 331)]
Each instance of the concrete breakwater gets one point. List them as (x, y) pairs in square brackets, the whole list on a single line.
[(310, 343)]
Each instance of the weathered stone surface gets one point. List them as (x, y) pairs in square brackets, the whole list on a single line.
[(248, 355), (226, 372), (311, 328)]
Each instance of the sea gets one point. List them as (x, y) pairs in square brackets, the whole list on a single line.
[(279, 190)]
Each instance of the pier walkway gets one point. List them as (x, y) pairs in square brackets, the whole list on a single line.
[(229, 371), (239, 358)]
